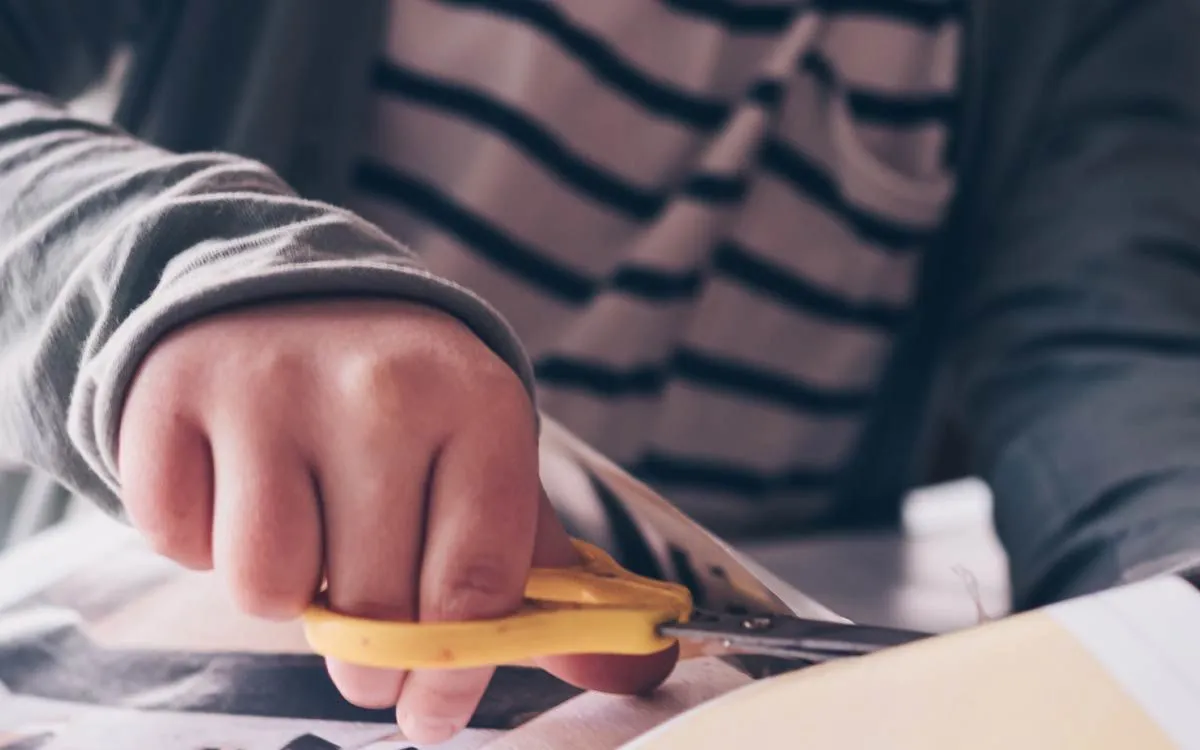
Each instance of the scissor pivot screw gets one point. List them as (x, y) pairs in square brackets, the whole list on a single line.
[(757, 623)]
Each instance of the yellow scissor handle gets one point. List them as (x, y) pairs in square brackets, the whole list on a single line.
[(594, 607)]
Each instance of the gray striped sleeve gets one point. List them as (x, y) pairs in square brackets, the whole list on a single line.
[(109, 243)]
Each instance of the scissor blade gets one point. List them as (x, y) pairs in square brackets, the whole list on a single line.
[(785, 637)]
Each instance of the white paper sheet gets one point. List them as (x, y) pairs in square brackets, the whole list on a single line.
[(725, 575), (1146, 636), (144, 654)]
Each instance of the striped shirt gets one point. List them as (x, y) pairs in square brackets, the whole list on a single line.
[(702, 217)]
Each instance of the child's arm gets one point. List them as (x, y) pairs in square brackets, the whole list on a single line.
[(309, 400)]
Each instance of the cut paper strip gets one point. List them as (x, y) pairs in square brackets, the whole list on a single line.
[(727, 576)]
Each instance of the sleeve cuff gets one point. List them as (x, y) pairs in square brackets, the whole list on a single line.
[(95, 414)]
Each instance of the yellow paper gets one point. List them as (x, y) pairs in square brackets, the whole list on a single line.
[(1024, 682)]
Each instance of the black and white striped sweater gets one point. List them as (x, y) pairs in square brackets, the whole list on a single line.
[(703, 219)]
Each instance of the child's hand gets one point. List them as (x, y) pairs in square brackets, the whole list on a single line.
[(378, 444)]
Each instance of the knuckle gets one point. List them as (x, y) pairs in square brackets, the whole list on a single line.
[(175, 366), (171, 356), (481, 587), (277, 366), (194, 555), (161, 379), (262, 584), (171, 540), (261, 594), (184, 540), (377, 607), (375, 382), (503, 401)]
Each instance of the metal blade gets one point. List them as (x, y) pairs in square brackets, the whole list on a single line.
[(785, 637)]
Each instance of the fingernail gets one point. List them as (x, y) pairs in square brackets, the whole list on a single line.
[(426, 731)]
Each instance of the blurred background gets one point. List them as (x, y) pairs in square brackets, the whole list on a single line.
[(943, 570)]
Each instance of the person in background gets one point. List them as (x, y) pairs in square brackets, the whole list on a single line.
[(292, 313)]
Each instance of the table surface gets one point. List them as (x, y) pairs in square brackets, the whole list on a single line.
[(945, 571)]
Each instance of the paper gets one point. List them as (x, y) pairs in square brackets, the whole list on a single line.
[(602, 722), (719, 575), (1145, 637), (1115, 671), (105, 645)]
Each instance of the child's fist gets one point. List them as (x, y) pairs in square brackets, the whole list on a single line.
[(379, 445)]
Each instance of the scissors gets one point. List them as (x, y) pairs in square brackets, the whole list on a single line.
[(596, 607)]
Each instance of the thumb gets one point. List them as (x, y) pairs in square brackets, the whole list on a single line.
[(608, 673)]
